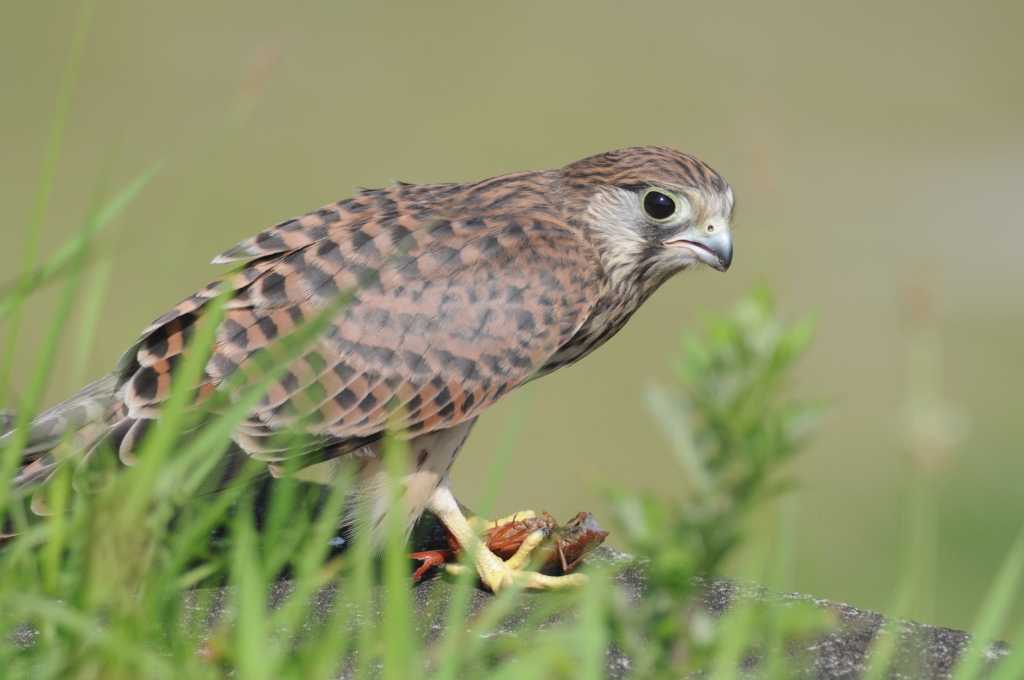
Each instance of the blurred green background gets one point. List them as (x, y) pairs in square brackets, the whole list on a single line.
[(876, 151)]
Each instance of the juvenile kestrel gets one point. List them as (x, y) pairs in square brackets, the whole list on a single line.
[(461, 293)]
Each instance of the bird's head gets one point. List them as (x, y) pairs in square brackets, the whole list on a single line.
[(651, 211)]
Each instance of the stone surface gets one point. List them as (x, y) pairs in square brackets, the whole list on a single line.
[(923, 652)]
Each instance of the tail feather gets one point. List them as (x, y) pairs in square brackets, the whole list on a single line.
[(72, 429), (52, 427)]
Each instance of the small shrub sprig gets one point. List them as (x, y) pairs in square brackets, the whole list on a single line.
[(731, 425)]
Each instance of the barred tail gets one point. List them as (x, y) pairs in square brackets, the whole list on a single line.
[(52, 427), (73, 425)]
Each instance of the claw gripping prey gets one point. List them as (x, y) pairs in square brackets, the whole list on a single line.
[(560, 551)]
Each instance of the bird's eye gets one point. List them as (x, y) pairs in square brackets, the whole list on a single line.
[(658, 206)]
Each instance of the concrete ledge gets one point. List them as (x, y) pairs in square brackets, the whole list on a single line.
[(922, 651)]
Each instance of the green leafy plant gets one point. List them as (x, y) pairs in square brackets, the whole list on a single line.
[(731, 426)]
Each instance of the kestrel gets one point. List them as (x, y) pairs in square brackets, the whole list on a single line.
[(457, 294)]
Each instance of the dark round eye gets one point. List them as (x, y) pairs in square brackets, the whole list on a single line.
[(658, 206)]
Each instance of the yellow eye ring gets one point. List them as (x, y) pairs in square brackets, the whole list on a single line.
[(659, 206)]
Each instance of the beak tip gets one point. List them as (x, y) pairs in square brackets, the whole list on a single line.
[(724, 252)]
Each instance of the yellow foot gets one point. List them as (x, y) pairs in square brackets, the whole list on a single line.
[(498, 575), (493, 571), (480, 525)]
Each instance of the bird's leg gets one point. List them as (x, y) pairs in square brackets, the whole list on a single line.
[(495, 573)]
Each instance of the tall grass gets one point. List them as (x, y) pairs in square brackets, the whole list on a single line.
[(43, 190)]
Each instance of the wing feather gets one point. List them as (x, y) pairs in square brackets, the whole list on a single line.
[(460, 305)]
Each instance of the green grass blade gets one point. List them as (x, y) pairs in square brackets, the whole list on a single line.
[(211, 165), (736, 629), (256, 656), (779, 579), (86, 629), (676, 428), (451, 654), (89, 309), (1011, 667), (400, 648), (994, 611), (175, 412), (506, 450), (67, 254), (50, 554), (46, 177), (360, 593), (537, 664), (592, 627), (310, 571), (919, 525), (92, 305), (48, 349), (884, 644)]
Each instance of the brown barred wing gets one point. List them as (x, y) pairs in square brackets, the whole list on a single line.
[(449, 314), (446, 330)]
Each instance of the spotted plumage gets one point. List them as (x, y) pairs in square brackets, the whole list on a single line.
[(459, 294)]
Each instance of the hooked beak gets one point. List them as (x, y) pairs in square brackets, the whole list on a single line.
[(713, 250)]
